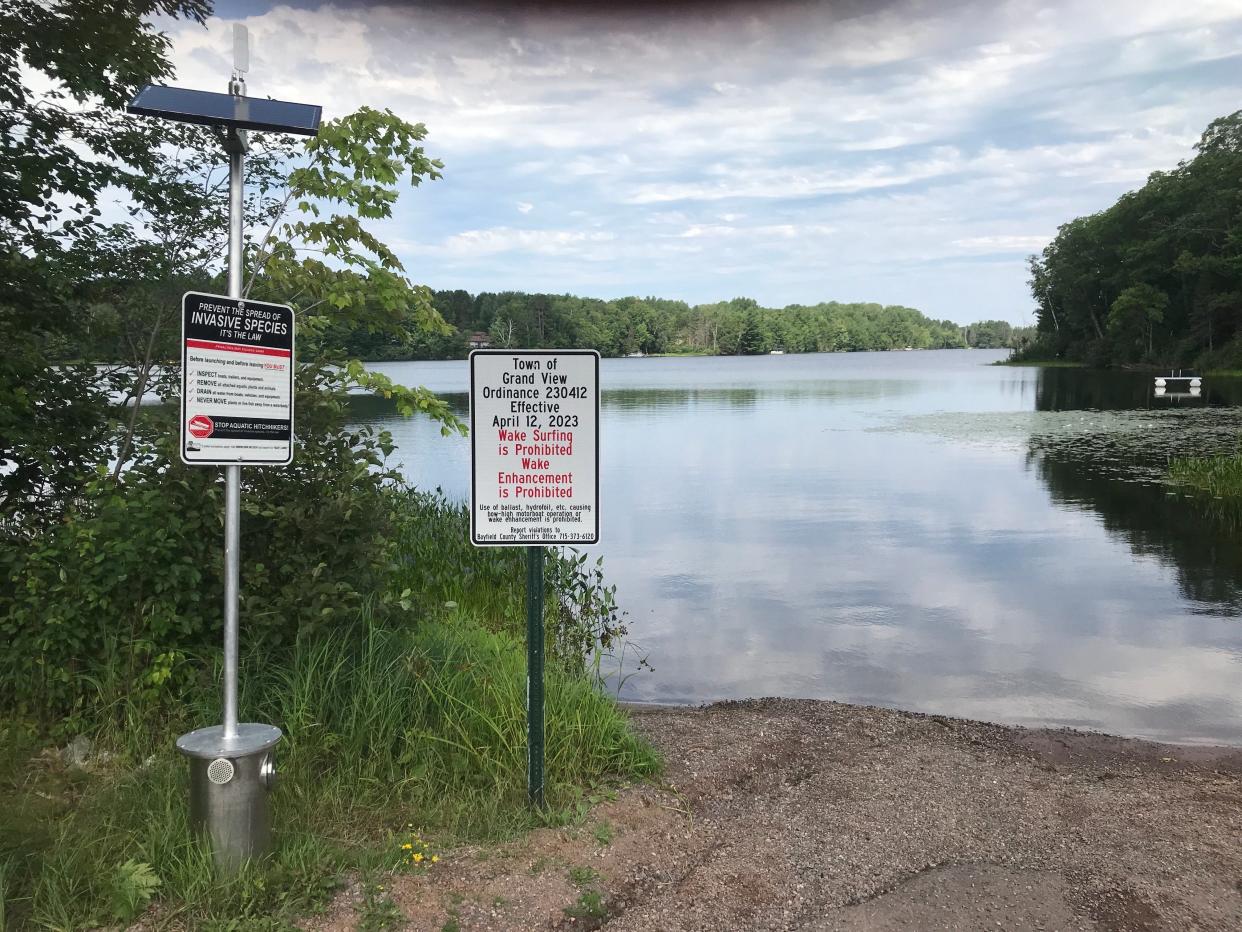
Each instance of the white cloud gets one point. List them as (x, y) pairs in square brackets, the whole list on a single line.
[(1003, 243), (769, 230), (507, 239), (908, 133), (790, 183)]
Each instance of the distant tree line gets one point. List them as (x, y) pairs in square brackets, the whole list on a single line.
[(620, 327), (1156, 278), (649, 326), (998, 334)]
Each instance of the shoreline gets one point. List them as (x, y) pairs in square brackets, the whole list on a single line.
[(706, 355), (1210, 748), (786, 814)]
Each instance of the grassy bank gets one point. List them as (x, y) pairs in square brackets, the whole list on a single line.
[(389, 732), (408, 722)]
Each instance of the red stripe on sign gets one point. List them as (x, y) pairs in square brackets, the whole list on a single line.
[(237, 348)]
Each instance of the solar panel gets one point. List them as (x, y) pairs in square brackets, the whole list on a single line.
[(209, 109)]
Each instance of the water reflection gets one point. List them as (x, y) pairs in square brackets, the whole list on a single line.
[(642, 399), (1116, 468), (1158, 525), (911, 529), (1081, 389)]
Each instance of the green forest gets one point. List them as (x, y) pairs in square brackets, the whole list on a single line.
[(1156, 279), (654, 326)]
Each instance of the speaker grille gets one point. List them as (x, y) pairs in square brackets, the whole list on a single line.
[(220, 771)]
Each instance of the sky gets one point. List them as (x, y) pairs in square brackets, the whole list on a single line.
[(906, 152)]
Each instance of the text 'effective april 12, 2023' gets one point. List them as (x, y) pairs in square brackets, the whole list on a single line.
[(534, 429)]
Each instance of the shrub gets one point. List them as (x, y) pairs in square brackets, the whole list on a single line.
[(132, 579)]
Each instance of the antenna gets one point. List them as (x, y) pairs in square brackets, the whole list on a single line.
[(241, 48)]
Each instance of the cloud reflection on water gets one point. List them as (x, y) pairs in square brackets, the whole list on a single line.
[(794, 527)]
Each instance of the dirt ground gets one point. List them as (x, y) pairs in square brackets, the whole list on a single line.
[(784, 814)]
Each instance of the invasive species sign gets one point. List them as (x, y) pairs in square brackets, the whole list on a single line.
[(534, 440), (236, 381)]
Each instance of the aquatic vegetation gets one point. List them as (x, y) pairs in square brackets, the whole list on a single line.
[(1216, 477), (1128, 445), (1213, 482)]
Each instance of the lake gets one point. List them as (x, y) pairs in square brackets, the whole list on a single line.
[(921, 530)]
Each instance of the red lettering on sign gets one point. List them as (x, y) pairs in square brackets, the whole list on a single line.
[(237, 348)]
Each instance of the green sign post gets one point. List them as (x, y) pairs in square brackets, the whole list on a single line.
[(534, 675)]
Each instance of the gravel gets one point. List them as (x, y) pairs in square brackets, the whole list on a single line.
[(796, 814)]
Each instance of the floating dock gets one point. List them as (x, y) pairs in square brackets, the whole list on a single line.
[(1192, 381)]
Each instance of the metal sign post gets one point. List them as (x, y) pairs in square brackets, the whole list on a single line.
[(232, 767), (534, 453), (232, 474)]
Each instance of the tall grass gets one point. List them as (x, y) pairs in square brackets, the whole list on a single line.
[(437, 716), (386, 726), (412, 716), (1218, 477), (1215, 482), (438, 565)]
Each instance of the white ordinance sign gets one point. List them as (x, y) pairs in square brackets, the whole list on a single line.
[(236, 381), (534, 447)]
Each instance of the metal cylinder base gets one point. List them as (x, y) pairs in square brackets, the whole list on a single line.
[(230, 789)]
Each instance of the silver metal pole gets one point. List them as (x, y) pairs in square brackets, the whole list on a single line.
[(232, 474), (232, 533), (232, 765)]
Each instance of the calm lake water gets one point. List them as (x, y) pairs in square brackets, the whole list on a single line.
[(919, 530)]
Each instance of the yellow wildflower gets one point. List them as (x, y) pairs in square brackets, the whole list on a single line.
[(435, 858), (407, 847), (418, 856)]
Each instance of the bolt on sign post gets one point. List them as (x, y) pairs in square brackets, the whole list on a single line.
[(236, 409), (534, 454)]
